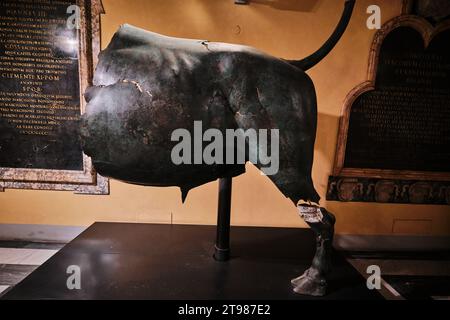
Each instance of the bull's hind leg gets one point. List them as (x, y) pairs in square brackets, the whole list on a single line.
[(313, 282)]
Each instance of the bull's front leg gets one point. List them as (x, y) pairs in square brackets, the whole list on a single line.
[(313, 282)]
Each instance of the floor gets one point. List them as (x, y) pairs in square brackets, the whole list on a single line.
[(19, 259), (404, 276), (408, 275)]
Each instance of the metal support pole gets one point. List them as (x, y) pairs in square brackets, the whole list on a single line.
[(222, 248)]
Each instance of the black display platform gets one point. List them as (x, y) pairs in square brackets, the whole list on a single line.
[(420, 287), (145, 261)]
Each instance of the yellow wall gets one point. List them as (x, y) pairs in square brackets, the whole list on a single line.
[(267, 25)]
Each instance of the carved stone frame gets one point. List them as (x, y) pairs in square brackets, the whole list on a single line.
[(86, 181), (428, 32), (369, 185)]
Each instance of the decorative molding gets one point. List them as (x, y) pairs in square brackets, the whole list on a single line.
[(357, 189), (86, 181), (99, 186), (428, 32)]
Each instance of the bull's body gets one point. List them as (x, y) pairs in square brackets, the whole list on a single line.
[(150, 85), (146, 86)]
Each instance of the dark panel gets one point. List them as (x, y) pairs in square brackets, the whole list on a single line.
[(405, 123), (39, 87), (138, 261)]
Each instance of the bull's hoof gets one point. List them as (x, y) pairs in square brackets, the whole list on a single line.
[(310, 284)]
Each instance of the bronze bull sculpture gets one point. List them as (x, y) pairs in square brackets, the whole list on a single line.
[(146, 86)]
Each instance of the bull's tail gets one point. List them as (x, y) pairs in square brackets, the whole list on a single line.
[(320, 54)]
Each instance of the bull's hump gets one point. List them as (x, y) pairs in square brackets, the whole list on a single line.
[(134, 51), (129, 36)]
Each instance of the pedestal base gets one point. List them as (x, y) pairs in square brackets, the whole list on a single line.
[(144, 261)]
